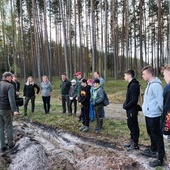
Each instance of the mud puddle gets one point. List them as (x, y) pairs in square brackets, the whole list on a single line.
[(42, 148)]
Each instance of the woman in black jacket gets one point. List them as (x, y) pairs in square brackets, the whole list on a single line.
[(29, 93)]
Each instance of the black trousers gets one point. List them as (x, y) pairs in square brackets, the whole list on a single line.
[(156, 136), (65, 99), (32, 98), (132, 123), (46, 103), (85, 115)]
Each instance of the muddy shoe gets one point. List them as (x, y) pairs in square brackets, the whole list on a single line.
[(155, 163), (82, 127), (86, 129), (133, 147), (4, 149), (149, 153), (126, 145)]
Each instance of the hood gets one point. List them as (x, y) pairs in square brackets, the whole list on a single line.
[(155, 80)]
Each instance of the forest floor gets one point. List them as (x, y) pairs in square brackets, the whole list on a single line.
[(40, 147)]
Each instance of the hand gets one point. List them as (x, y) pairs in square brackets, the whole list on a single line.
[(15, 113), (76, 98)]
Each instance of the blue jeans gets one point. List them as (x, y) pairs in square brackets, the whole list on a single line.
[(6, 122)]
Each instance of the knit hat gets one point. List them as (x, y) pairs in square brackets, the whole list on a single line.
[(78, 74), (73, 81), (96, 81), (84, 81), (6, 74)]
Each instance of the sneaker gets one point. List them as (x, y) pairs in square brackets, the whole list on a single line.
[(82, 127), (69, 114), (97, 130), (148, 152), (155, 163), (12, 146), (133, 147), (126, 145), (86, 129)]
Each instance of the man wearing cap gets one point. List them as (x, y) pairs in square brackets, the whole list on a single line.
[(97, 101), (7, 106), (78, 83), (65, 87), (84, 103)]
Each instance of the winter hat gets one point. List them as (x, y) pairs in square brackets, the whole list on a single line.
[(6, 74), (78, 74), (73, 81), (96, 81), (84, 81)]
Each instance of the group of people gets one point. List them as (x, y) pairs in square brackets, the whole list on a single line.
[(156, 106), (89, 94), (9, 93)]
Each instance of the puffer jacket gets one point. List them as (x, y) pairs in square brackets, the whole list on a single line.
[(97, 96)]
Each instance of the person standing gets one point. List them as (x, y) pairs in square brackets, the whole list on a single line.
[(65, 87), (16, 84), (152, 109), (166, 110), (84, 103), (72, 97), (131, 107), (91, 111), (97, 101), (30, 94), (46, 89), (7, 109), (97, 76), (79, 77)]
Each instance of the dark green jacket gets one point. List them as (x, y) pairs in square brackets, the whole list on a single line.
[(65, 87)]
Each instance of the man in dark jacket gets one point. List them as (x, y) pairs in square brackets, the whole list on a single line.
[(7, 106), (84, 103), (131, 107), (65, 87)]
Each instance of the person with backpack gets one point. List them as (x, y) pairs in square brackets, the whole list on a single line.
[(97, 101), (152, 109), (131, 107)]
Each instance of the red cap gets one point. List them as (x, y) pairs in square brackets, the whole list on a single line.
[(78, 74), (90, 80)]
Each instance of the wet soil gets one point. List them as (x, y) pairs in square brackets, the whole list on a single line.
[(44, 148)]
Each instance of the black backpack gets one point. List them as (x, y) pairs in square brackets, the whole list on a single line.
[(106, 99)]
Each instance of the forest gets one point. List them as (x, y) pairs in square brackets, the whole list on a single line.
[(50, 37)]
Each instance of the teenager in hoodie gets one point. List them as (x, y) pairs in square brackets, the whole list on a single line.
[(84, 103), (152, 109), (131, 107)]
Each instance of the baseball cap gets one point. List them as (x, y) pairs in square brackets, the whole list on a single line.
[(90, 80), (6, 74), (78, 73), (96, 81), (73, 81)]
